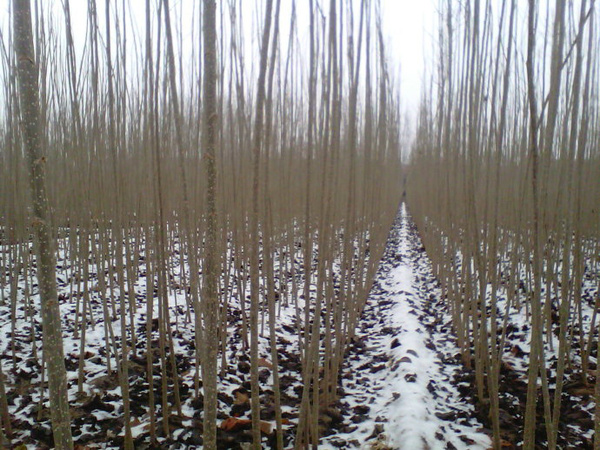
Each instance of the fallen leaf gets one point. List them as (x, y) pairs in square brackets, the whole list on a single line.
[(262, 362), (266, 427), (233, 423), (241, 398)]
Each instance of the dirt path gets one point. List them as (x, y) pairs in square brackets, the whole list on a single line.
[(399, 376)]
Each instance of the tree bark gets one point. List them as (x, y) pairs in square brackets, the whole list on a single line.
[(46, 258), (536, 336), (211, 266), (254, 228)]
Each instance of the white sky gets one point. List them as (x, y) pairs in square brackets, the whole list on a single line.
[(407, 25), (410, 27)]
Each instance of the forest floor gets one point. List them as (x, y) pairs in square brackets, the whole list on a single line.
[(403, 384)]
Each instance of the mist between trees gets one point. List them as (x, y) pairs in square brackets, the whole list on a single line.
[(504, 184), (157, 162)]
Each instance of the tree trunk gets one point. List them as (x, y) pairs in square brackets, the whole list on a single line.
[(254, 228), (46, 259), (211, 266)]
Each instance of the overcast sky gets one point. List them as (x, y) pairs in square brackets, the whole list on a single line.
[(408, 29), (409, 25)]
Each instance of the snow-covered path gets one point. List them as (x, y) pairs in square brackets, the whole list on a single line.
[(398, 374)]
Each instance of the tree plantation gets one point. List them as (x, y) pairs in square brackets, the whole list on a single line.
[(505, 189), (220, 229)]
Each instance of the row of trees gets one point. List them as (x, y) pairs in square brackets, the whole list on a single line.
[(164, 147), (505, 186)]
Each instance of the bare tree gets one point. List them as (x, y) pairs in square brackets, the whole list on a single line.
[(254, 221), (211, 266), (33, 138)]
